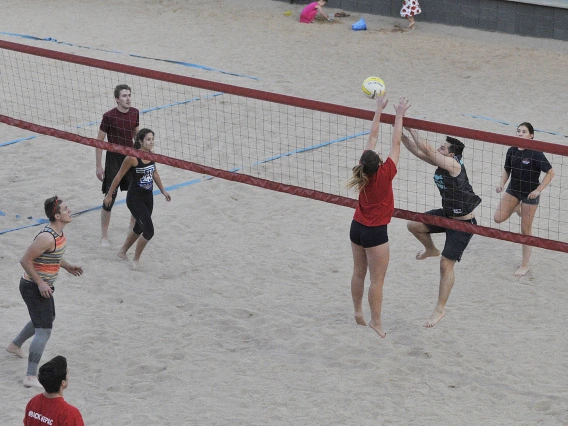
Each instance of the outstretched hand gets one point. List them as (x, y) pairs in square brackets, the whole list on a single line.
[(402, 106), (381, 102)]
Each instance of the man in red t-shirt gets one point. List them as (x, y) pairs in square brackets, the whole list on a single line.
[(49, 407), (119, 126)]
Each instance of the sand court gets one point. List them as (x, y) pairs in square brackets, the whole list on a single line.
[(242, 313)]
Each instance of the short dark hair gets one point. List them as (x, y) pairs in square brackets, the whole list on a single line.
[(140, 137), (120, 87), (529, 126), (52, 373), (52, 206), (456, 146)]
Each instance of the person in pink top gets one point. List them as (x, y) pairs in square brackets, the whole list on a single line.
[(311, 10), (372, 178)]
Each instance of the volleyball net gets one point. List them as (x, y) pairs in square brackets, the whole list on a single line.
[(273, 141)]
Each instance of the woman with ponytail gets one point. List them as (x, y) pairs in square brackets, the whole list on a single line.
[(372, 178), (140, 197)]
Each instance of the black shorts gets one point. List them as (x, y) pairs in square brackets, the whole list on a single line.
[(368, 236), (523, 198), (113, 162), (41, 309), (456, 241)]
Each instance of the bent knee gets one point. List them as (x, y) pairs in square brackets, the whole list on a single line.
[(497, 218), (416, 227), (148, 234)]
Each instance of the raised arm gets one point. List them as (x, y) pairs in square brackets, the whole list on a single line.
[(374, 134), (438, 159), (410, 144), (400, 109)]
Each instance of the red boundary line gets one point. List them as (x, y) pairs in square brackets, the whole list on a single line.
[(288, 100), (288, 189)]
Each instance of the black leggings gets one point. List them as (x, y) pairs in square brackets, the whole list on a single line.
[(141, 203)]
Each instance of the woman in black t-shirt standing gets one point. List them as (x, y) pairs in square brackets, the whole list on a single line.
[(522, 195)]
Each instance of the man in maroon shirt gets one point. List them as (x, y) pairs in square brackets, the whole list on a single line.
[(119, 126), (49, 407)]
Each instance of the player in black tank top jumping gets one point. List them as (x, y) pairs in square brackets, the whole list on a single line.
[(458, 202), (140, 199)]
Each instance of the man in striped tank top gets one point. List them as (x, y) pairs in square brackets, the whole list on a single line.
[(41, 264)]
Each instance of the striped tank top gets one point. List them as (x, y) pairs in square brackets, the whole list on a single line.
[(47, 264)]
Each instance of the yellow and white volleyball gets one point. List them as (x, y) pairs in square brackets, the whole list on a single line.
[(373, 87)]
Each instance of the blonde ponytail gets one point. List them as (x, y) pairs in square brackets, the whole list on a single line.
[(359, 179)]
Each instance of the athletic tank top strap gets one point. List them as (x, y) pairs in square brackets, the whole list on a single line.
[(458, 198), (47, 264), (143, 176)]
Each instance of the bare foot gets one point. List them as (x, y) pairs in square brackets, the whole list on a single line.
[(411, 25), (522, 271), (32, 381), (360, 319), (378, 328), (423, 254), (122, 255), (105, 242), (436, 316), (136, 265), (16, 350)]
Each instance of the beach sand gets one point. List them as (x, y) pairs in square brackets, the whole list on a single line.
[(242, 314)]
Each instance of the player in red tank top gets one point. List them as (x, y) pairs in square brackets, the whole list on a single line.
[(369, 239)]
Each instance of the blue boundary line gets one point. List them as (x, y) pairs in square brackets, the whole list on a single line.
[(145, 111), (185, 64), (18, 140), (509, 124), (194, 181)]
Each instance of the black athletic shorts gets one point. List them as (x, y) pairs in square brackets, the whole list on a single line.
[(522, 197), (113, 162), (368, 236), (41, 309), (456, 241)]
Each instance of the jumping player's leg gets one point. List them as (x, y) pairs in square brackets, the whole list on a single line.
[(378, 261), (422, 234), (447, 279), (358, 281), (528, 212), (456, 243)]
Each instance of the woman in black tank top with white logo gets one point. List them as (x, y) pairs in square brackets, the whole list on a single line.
[(140, 198)]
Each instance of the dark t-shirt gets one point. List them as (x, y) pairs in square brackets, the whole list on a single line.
[(119, 126), (524, 167), (42, 411)]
